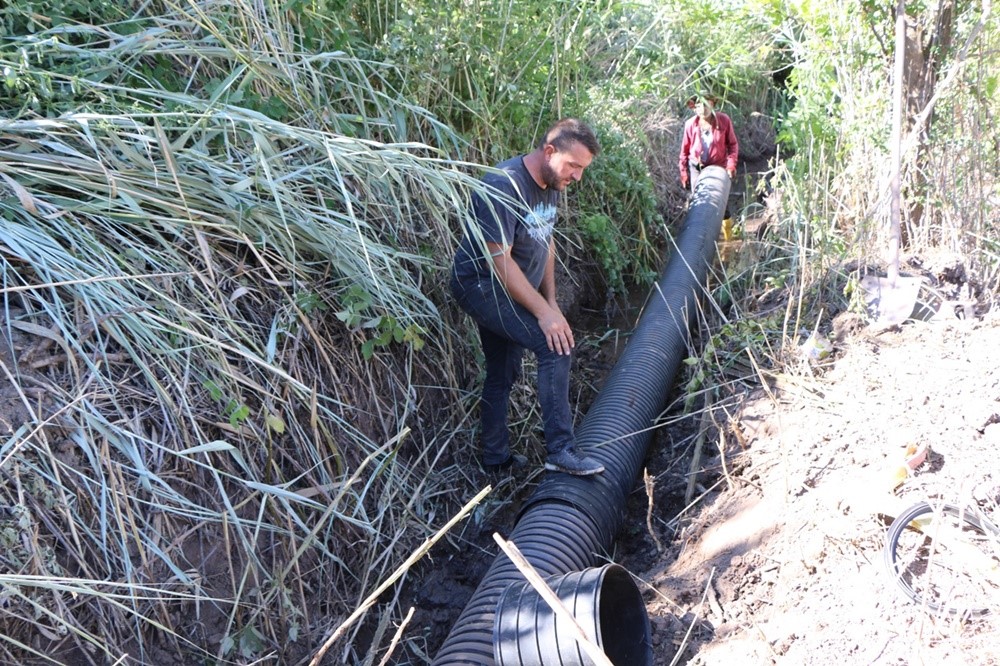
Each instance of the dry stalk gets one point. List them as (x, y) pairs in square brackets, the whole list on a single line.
[(395, 638), (699, 444), (690, 505), (687, 634), (774, 400), (59, 359), (722, 451), (648, 482)]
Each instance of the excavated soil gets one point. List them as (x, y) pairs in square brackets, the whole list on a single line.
[(781, 563)]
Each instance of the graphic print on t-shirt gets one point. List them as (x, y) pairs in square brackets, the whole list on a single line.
[(540, 222)]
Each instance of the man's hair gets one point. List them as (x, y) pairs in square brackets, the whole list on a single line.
[(563, 133)]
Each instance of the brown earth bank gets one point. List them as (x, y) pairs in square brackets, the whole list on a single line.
[(777, 558), (782, 563)]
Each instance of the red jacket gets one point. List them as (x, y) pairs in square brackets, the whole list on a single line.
[(725, 149)]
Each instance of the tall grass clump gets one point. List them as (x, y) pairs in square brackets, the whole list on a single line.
[(838, 130), (219, 319), (827, 214)]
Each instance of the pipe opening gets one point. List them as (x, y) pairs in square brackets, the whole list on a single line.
[(605, 603), (624, 624)]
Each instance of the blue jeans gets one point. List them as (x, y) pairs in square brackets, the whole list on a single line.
[(506, 329)]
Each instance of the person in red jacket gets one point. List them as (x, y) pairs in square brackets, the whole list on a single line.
[(709, 140)]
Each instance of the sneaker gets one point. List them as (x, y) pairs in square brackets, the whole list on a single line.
[(514, 462), (571, 462)]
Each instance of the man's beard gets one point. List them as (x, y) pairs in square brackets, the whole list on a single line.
[(551, 179)]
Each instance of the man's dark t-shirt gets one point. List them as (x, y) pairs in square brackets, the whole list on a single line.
[(524, 224)]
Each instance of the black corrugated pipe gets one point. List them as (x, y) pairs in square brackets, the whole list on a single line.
[(570, 521)]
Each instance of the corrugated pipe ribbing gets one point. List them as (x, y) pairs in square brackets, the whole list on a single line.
[(569, 521)]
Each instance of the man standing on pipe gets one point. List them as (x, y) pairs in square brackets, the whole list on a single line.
[(504, 277), (709, 140)]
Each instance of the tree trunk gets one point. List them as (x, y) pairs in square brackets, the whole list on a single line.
[(926, 51)]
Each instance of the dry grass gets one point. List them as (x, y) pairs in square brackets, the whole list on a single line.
[(227, 367)]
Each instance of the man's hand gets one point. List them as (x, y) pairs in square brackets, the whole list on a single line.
[(732, 173), (558, 334), (684, 183)]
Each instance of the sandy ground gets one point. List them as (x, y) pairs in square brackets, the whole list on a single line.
[(782, 563)]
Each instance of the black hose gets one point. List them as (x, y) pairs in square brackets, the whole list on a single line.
[(922, 561), (570, 521)]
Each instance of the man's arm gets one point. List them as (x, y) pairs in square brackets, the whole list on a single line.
[(548, 285), (540, 303)]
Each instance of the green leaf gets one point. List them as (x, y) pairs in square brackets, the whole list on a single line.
[(275, 423), (238, 416)]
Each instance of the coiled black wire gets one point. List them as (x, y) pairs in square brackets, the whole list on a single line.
[(903, 573)]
